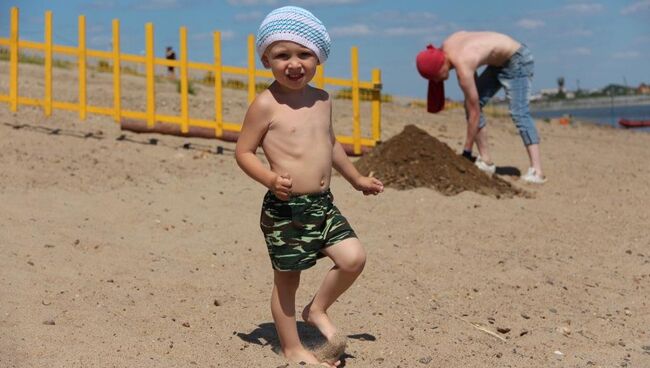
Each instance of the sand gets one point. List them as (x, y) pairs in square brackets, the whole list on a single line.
[(119, 253)]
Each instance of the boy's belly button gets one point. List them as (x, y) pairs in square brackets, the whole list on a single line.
[(322, 182)]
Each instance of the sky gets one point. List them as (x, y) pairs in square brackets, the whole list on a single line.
[(589, 43)]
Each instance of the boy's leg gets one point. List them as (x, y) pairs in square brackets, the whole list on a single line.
[(349, 259), (283, 309)]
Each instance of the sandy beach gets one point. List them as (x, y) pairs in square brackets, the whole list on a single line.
[(118, 253)]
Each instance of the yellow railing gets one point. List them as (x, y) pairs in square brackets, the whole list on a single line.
[(82, 53)]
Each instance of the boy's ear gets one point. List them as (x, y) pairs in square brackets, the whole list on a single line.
[(265, 61)]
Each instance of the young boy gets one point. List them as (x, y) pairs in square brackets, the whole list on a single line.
[(292, 122), (509, 64)]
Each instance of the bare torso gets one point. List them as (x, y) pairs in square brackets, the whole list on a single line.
[(470, 50), (299, 141)]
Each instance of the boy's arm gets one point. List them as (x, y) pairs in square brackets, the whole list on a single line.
[(340, 161), (253, 130), (467, 84)]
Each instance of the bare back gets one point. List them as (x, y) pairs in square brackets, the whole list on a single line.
[(299, 139), (469, 50)]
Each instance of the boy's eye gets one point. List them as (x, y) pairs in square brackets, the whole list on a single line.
[(305, 55)]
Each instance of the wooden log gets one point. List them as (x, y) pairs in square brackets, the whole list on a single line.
[(140, 126)]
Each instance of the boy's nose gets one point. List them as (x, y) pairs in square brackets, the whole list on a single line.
[(295, 66)]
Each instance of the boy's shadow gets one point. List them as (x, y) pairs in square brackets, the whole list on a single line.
[(265, 334)]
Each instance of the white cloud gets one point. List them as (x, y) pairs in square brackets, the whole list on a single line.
[(582, 51), (252, 2), (396, 16), (354, 30), (101, 42), (578, 33), (360, 30), (639, 6), (409, 31), (584, 8), (209, 36), (530, 23), (158, 4), (420, 16), (642, 39), (326, 2), (296, 2), (626, 55), (253, 15), (101, 4)]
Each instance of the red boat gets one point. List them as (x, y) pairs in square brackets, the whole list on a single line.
[(634, 123)]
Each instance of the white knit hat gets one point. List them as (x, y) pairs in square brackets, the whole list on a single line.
[(291, 23)]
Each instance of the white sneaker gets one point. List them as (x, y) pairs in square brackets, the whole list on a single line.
[(533, 177), (489, 169)]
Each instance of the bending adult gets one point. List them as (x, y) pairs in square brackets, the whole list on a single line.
[(509, 64)]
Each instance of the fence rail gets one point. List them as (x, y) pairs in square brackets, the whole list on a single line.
[(149, 60)]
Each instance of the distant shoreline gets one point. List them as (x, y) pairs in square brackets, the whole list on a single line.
[(587, 103)]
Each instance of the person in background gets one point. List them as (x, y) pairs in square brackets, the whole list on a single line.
[(509, 65), (170, 55)]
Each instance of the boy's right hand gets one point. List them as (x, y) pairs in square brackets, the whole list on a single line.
[(281, 186)]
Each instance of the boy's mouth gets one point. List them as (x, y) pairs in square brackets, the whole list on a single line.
[(294, 76)]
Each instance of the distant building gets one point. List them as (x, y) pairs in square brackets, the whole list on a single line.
[(536, 97), (549, 91), (643, 89)]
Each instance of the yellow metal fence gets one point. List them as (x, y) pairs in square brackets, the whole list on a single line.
[(82, 53)]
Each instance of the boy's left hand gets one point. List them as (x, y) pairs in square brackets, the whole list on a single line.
[(369, 185)]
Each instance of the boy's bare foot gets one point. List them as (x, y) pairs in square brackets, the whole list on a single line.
[(336, 343), (305, 356), (332, 350), (320, 320)]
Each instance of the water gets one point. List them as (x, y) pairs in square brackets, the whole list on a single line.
[(605, 115)]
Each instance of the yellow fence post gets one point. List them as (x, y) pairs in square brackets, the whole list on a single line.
[(320, 77), (356, 121), (376, 105), (13, 60), (82, 67), (218, 91), (149, 57), (117, 96), (185, 113), (47, 102), (251, 68)]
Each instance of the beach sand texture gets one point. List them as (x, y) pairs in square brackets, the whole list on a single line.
[(119, 253)]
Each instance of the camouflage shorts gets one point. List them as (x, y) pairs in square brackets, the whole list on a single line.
[(296, 231)]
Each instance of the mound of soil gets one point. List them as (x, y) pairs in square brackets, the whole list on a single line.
[(414, 159)]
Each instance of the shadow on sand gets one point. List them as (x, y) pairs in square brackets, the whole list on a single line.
[(508, 171), (57, 131), (99, 135), (265, 334)]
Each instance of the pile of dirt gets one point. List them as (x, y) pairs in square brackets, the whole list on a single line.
[(414, 159)]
